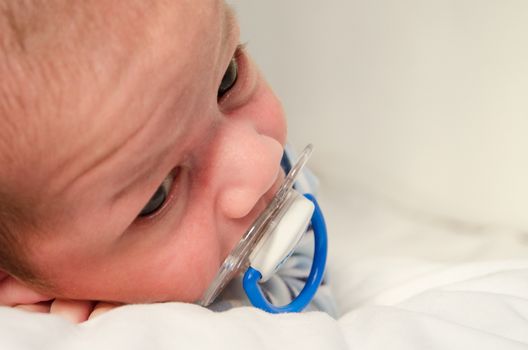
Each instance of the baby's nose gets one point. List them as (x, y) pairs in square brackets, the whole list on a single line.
[(247, 164)]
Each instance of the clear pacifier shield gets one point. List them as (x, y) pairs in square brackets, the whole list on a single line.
[(238, 259)]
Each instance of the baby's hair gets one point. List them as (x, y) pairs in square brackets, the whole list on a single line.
[(15, 217), (16, 208), (11, 249)]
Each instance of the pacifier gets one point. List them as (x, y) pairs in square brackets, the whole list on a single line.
[(271, 240)]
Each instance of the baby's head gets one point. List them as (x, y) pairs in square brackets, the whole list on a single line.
[(102, 105)]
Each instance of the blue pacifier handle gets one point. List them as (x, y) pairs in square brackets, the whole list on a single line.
[(252, 276)]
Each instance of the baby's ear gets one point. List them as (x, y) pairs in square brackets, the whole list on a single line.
[(13, 292)]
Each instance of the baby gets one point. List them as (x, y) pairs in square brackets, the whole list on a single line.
[(138, 143)]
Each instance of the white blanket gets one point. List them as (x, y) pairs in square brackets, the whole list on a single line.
[(400, 281)]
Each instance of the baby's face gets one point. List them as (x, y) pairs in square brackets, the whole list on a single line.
[(159, 112)]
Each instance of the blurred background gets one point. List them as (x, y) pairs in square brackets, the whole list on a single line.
[(422, 103)]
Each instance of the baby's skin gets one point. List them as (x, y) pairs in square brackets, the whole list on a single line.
[(117, 101)]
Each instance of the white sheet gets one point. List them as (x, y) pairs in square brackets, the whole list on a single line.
[(401, 281)]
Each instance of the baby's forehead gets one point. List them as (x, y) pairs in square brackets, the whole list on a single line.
[(75, 71), (40, 28)]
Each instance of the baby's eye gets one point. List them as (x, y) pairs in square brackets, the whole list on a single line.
[(229, 79), (159, 198)]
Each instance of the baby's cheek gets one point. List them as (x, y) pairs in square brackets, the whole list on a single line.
[(202, 251)]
